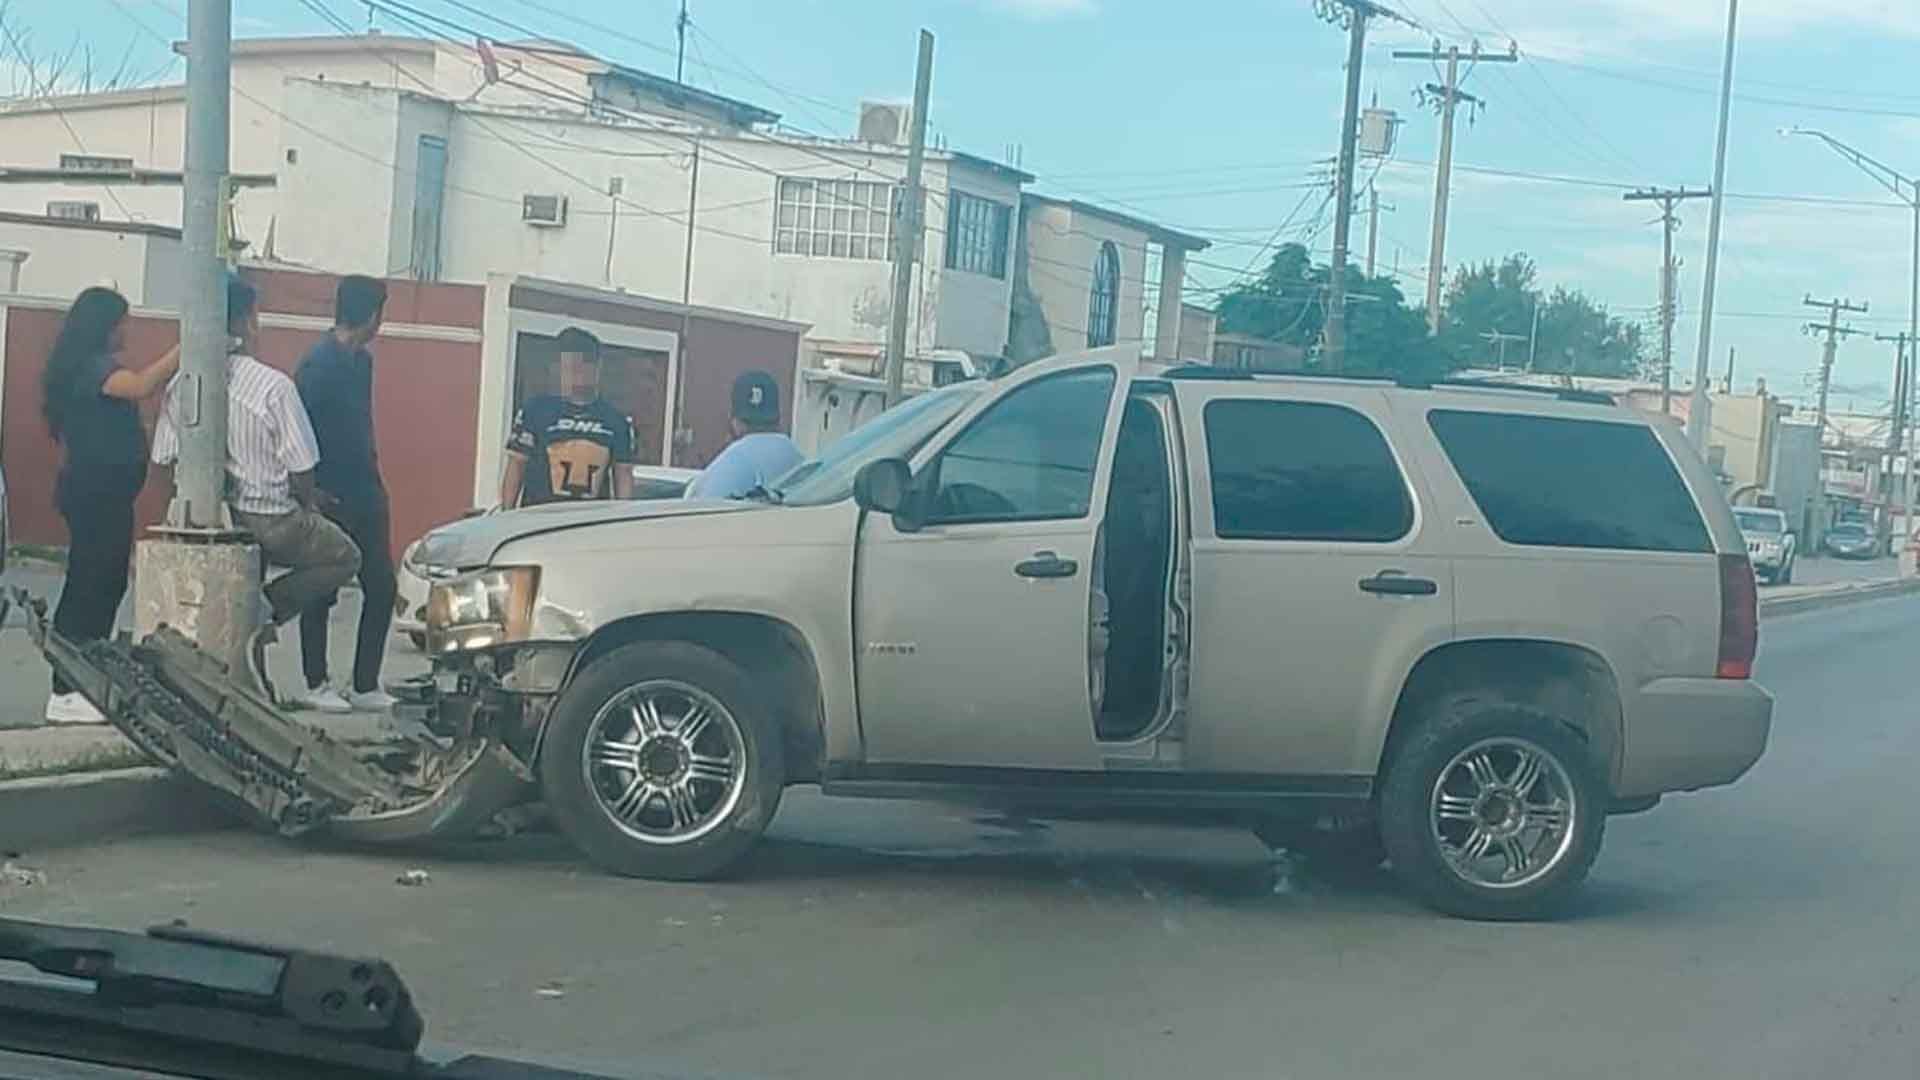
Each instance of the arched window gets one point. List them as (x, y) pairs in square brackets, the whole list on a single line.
[(1104, 306)]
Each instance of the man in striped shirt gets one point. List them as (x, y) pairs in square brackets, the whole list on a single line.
[(271, 454)]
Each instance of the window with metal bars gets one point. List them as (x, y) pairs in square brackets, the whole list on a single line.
[(834, 219), (1103, 305), (977, 234)]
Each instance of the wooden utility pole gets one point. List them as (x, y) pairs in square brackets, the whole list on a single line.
[(1373, 223), (1834, 332), (1896, 432), (1666, 197), (1352, 15), (680, 55), (1445, 98), (910, 226)]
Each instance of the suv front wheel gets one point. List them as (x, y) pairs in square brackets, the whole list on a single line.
[(663, 762), (1492, 810)]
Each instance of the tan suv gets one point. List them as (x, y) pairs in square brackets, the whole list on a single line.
[(1454, 626)]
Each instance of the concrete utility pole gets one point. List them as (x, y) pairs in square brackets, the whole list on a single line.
[(200, 477), (1897, 425), (910, 226), (1445, 98), (198, 574), (1834, 332), (1698, 422), (1666, 197)]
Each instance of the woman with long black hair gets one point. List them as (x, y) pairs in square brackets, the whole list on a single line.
[(90, 399)]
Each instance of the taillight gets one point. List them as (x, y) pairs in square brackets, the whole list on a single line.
[(1739, 618)]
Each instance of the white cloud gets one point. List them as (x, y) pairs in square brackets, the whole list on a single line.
[(1045, 9)]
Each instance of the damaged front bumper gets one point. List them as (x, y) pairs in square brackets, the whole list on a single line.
[(439, 772)]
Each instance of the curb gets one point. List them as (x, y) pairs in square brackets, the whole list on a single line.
[(1839, 596), (76, 808)]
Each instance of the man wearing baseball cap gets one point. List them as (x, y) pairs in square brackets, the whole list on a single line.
[(759, 453)]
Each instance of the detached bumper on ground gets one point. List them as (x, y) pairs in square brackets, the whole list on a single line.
[(184, 711)]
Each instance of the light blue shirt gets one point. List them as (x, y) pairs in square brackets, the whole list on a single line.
[(752, 461)]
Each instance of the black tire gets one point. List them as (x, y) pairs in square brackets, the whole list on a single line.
[(1411, 787), (578, 807)]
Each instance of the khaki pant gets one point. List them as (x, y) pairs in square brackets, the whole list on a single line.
[(319, 555)]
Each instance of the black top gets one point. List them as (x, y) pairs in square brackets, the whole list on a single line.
[(101, 430), (336, 385), (569, 447)]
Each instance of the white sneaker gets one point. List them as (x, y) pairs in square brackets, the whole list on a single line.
[(72, 709), (375, 700), (322, 699)]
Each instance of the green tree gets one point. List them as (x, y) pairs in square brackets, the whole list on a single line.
[(1577, 335), (1287, 303)]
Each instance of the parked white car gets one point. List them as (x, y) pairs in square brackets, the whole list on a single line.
[(1770, 542)]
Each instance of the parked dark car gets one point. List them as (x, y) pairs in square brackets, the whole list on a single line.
[(1851, 540)]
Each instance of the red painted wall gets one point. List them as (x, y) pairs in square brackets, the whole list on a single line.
[(426, 393)]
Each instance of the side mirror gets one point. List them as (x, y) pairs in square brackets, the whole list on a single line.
[(883, 486)]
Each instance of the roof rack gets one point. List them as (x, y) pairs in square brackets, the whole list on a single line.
[(1564, 393), (1203, 371), (1198, 372)]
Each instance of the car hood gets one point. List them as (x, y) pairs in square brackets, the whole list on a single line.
[(472, 542)]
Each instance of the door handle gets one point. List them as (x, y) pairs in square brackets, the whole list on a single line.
[(1046, 564), (1397, 583)]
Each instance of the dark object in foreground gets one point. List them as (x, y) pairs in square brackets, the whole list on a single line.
[(181, 1002)]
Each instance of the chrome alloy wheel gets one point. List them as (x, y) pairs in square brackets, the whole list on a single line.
[(665, 761), (1504, 813)]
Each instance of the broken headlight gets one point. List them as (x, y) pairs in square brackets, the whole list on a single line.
[(481, 609)]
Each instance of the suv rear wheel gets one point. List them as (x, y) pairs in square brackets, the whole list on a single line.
[(663, 762), (1492, 810)]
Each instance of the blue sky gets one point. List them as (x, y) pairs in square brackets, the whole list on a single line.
[(1211, 115)]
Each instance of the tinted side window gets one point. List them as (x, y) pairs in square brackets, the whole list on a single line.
[(1030, 457), (1571, 483), (1296, 470)]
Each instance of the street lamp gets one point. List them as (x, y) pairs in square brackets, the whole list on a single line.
[(1907, 190)]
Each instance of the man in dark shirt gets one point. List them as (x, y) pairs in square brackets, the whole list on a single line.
[(336, 385), (572, 445)]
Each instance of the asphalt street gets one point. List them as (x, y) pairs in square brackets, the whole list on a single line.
[(1770, 929)]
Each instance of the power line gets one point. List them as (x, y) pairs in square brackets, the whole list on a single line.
[(1756, 99)]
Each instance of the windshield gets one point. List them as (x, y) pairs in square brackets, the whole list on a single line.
[(1754, 521), (1849, 530), (898, 432)]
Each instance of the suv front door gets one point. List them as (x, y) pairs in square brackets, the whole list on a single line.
[(971, 632)]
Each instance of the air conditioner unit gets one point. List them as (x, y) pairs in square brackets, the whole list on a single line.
[(885, 122), (544, 211)]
